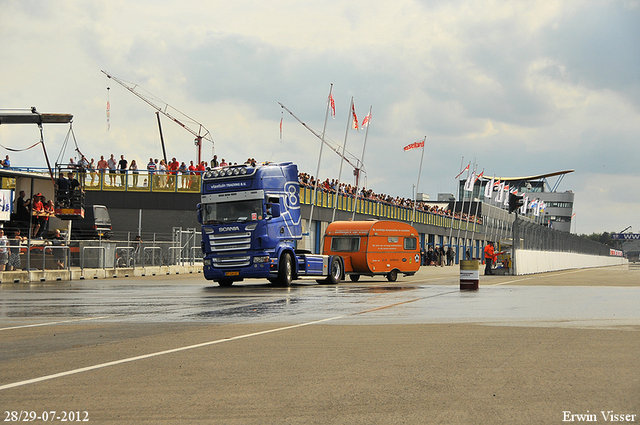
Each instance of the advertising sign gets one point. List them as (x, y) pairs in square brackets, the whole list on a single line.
[(625, 236), (6, 201)]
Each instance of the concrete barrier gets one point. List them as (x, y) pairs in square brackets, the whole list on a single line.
[(529, 262), (89, 274)]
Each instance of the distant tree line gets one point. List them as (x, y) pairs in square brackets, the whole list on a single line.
[(604, 238)]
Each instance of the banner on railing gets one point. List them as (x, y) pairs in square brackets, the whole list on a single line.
[(5, 204)]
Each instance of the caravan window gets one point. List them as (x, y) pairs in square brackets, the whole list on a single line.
[(345, 244), (410, 244)]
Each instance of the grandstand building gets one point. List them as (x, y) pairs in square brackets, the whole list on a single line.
[(558, 210)]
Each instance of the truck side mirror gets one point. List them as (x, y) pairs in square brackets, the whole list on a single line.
[(199, 209), (275, 210)]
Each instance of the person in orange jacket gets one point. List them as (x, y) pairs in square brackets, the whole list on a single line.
[(490, 257)]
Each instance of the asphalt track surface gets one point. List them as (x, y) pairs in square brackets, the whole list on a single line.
[(539, 349)]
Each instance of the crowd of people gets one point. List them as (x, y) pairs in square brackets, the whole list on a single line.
[(166, 175), (329, 186), (438, 256), (162, 173)]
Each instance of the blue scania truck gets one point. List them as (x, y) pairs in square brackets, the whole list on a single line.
[(250, 217)]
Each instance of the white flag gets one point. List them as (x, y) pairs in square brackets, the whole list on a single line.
[(499, 196), (488, 189), (468, 185), (523, 208), (506, 191)]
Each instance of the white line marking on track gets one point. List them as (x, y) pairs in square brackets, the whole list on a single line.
[(528, 278), (34, 325), (159, 353)]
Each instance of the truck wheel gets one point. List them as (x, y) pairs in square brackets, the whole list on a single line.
[(392, 276), (225, 283), (285, 270), (335, 273), (354, 277)]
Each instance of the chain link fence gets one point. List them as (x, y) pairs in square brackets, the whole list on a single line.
[(532, 236)]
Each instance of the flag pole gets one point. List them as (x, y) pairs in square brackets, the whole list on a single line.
[(366, 134), (493, 225), (475, 216), (453, 209), (413, 216), (462, 206), (473, 184), (315, 185), (344, 148)]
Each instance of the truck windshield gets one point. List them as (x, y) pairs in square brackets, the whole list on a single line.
[(232, 212)]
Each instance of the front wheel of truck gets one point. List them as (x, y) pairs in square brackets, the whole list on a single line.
[(285, 270)]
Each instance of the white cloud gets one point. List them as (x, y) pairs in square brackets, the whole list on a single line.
[(522, 87)]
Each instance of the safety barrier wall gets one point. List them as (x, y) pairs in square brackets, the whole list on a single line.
[(529, 262)]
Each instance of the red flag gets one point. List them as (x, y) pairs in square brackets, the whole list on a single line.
[(355, 118), (365, 121), (108, 115), (465, 169), (281, 118), (333, 105), (414, 145)]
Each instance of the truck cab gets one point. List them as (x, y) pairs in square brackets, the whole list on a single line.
[(251, 223)]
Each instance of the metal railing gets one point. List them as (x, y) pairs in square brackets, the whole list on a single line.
[(533, 236), (150, 254), (100, 248), (123, 256), (64, 258)]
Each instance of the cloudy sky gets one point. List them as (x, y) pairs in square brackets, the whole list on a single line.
[(518, 87)]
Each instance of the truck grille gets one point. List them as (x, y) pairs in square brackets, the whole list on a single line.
[(231, 261), (230, 242)]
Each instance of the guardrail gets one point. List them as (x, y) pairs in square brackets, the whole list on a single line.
[(104, 255), (152, 256), (65, 257), (127, 260)]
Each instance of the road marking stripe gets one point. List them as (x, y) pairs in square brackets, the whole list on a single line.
[(219, 341), (528, 278), (52, 323), (159, 353)]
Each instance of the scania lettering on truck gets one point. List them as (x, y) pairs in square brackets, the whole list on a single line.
[(250, 219)]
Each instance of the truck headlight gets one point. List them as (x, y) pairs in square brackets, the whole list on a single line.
[(206, 261), (261, 259)]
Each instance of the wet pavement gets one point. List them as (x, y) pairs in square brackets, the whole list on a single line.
[(180, 349), (432, 296)]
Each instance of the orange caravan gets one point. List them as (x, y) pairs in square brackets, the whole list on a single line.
[(374, 247)]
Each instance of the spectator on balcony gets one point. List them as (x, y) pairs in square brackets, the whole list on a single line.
[(133, 167), (103, 166), (122, 165), (111, 163), (151, 166), (184, 173), (91, 168)]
